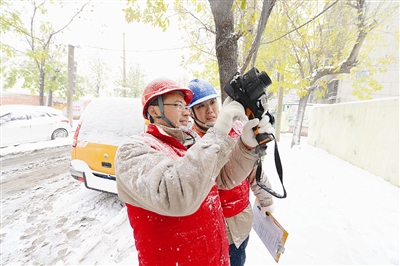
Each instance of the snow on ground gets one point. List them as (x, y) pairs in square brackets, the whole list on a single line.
[(335, 213)]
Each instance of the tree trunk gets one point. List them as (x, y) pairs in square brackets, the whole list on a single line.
[(41, 85), (225, 41), (49, 101), (299, 120), (278, 119)]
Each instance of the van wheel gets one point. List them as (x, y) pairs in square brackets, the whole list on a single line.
[(59, 133)]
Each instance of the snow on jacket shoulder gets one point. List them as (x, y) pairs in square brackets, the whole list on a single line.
[(168, 184)]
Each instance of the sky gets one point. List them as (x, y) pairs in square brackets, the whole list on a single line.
[(98, 32), (335, 214), (101, 32)]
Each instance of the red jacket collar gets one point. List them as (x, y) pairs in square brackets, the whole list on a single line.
[(153, 130)]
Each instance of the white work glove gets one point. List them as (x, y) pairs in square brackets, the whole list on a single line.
[(248, 137), (270, 209), (230, 112), (264, 126)]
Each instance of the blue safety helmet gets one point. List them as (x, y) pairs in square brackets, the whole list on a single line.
[(202, 91)]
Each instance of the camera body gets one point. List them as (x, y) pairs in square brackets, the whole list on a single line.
[(249, 90), (254, 83)]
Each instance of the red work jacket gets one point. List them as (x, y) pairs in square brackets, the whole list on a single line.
[(235, 200), (196, 239)]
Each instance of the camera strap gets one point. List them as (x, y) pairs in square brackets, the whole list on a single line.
[(279, 170)]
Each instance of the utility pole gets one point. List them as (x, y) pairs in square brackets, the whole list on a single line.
[(124, 64), (279, 109), (70, 87)]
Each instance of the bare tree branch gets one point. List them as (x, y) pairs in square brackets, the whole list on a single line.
[(363, 31), (303, 24), (70, 21), (265, 13), (206, 27)]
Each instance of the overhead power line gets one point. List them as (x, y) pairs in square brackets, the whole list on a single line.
[(136, 51)]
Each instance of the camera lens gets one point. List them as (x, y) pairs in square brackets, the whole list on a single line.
[(264, 78)]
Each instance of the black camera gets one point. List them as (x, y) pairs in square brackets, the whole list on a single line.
[(250, 91)]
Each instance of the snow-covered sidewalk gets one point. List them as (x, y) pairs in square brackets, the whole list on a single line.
[(335, 212)]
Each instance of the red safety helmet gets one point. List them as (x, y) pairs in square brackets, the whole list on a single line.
[(160, 87)]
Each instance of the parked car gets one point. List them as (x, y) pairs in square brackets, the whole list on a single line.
[(28, 123), (105, 124)]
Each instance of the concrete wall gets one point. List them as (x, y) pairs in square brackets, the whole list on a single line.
[(365, 134)]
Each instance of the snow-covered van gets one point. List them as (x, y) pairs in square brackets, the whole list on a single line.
[(105, 124)]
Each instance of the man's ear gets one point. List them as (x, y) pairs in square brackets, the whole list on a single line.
[(152, 111)]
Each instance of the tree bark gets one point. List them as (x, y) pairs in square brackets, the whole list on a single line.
[(299, 120), (279, 108), (49, 100), (226, 46), (41, 85)]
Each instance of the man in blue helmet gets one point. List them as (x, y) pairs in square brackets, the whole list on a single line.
[(235, 202)]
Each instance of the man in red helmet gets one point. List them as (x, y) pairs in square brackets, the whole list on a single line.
[(171, 192), (235, 202)]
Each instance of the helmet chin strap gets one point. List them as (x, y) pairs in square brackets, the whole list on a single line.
[(204, 125), (161, 105), (184, 129)]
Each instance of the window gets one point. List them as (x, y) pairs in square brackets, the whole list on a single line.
[(37, 114), (14, 116), (360, 74), (333, 88), (6, 117)]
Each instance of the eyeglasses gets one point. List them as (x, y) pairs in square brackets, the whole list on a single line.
[(179, 106)]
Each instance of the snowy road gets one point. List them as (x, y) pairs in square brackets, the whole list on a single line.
[(28, 169), (48, 217)]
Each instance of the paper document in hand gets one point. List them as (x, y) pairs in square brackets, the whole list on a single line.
[(271, 233)]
